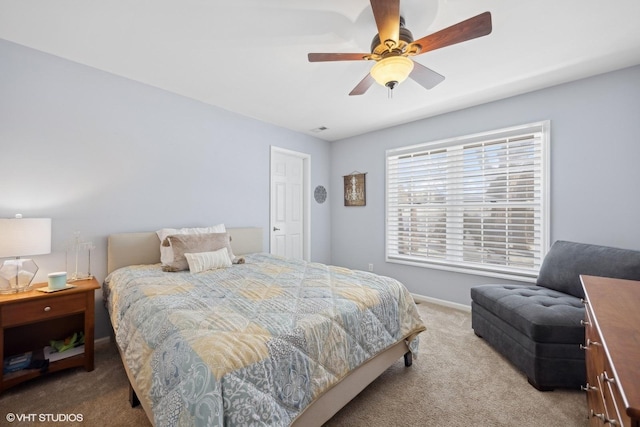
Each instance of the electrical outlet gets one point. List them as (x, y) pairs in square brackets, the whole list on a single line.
[(370, 267)]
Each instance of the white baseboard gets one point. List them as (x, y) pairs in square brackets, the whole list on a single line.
[(455, 305), (101, 341)]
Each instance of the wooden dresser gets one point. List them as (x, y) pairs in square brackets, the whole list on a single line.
[(612, 345)]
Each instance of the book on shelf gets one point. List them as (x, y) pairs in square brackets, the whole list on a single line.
[(53, 355), (16, 362)]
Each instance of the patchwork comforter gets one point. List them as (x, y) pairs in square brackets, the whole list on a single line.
[(252, 344)]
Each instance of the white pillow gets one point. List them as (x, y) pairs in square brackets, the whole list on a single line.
[(208, 260), (166, 252)]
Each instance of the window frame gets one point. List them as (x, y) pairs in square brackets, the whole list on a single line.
[(542, 129)]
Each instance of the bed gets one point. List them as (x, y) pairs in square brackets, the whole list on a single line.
[(268, 341)]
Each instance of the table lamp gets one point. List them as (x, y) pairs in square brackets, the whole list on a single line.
[(22, 237)]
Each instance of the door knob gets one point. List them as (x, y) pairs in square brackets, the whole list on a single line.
[(276, 229)]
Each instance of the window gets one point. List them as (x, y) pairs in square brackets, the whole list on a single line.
[(476, 204)]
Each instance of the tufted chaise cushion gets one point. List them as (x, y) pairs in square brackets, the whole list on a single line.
[(542, 314)]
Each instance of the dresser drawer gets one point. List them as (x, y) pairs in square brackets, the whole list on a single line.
[(614, 404), (594, 351), (594, 359), (42, 309)]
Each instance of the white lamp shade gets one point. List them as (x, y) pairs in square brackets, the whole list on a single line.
[(392, 69), (25, 237)]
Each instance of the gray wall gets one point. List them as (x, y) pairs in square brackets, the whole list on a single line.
[(101, 154), (595, 173)]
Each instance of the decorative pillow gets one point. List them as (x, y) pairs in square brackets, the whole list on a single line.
[(194, 243), (208, 260), (166, 252)]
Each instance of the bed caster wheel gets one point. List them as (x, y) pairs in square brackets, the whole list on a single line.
[(408, 359)]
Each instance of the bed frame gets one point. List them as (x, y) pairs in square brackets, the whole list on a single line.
[(144, 248)]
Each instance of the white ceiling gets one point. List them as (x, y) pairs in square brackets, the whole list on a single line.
[(250, 56)]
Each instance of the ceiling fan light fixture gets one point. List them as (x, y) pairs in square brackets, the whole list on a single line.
[(392, 70)]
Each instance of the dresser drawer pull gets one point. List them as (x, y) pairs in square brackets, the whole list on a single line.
[(589, 344), (47, 308), (588, 387), (604, 419), (608, 379)]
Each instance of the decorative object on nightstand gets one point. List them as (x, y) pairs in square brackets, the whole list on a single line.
[(57, 282), (22, 237), (79, 258)]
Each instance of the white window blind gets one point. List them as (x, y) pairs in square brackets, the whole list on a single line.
[(475, 204)]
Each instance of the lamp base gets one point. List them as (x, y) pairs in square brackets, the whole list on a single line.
[(16, 275)]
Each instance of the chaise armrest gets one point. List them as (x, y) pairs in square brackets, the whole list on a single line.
[(566, 261)]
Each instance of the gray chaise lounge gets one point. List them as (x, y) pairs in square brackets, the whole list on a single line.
[(538, 327)]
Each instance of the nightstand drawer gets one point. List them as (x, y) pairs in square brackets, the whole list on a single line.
[(41, 309)]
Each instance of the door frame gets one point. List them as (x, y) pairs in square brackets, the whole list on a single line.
[(306, 198)]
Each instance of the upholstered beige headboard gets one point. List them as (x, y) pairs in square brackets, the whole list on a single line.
[(125, 249)]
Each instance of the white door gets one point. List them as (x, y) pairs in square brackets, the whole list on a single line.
[(288, 206)]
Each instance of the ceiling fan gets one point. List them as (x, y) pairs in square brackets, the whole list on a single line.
[(394, 44)]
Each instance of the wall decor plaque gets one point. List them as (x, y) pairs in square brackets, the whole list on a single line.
[(355, 189), (320, 194)]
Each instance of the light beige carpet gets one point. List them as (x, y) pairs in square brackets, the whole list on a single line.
[(457, 380)]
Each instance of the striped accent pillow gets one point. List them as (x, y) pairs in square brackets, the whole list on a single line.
[(203, 261)]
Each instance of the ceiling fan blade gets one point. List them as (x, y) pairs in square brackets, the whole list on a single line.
[(363, 86), (387, 15), (472, 28), (322, 57), (424, 76)]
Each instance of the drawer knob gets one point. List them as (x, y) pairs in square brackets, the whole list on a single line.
[(47, 308), (588, 387), (589, 344), (604, 419), (607, 378), (584, 323)]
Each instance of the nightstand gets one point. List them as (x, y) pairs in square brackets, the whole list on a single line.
[(29, 320)]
